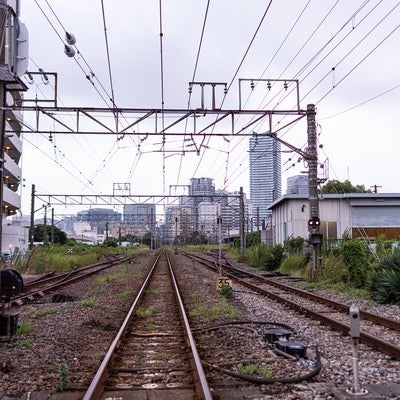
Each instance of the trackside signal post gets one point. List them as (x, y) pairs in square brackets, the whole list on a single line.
[(314, 235)]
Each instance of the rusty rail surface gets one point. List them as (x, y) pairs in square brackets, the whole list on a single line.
[(96, 388), (370, 340), (39, 286)]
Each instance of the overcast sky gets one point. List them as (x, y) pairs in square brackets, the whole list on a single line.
[(344, 54)]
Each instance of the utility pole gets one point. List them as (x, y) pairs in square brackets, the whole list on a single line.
[(315, 237), (45, 237), (241, 222), (52, 225), (32, 227), (219, 222), (375, 188), (258, 219)]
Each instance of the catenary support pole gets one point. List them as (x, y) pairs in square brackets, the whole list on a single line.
[(312, 160), (32, 227), (241, 222)]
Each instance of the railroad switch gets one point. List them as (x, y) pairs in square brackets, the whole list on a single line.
[(296, 349), (272, 335)]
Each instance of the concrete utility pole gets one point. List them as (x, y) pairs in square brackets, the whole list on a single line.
[(52, 226), (241, 222), (315, 237), (32, 227)]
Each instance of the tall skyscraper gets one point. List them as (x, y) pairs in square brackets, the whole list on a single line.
[(265, 172)]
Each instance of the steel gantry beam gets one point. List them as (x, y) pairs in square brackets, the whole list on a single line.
[(181, 122)]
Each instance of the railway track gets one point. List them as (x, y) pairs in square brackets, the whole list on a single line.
[(36, 288), (154, 349), (377, 331)]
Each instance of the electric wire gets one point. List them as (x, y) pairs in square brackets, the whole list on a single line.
[(360, 42), (361, 104), (89, 75), (109, 61), (90, 153), (260, 77), (193, 79), (233, 78), (162, 93)]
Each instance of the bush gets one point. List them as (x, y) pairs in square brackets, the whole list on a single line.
[(273, 258), (356, 256), (294, 265), (333, 270), (384, 281), (294, 245)]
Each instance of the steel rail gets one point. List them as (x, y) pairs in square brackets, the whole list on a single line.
[(95, 389), (202, 387), (67, 279), (365, 338), (367, 315)]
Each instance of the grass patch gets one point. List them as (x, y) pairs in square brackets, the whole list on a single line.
[(87, 302), (254, 369), (145, 312), (294, 265), (125, 293), (196, 296), (221, 310), (45, 311), (105, 279), (150, 325), (22, 343), (57, 257), (24, 327), (339, 287)]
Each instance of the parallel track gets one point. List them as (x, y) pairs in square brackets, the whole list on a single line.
[(289, 295), (38, 287)]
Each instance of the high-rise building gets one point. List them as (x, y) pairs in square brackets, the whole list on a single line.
[(265, 172), (297, 184), (200, 189)]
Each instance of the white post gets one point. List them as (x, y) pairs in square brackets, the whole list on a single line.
[(355, 343)]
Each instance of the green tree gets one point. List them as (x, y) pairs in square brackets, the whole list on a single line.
[(60, 236), (110, 242), (335, 186)]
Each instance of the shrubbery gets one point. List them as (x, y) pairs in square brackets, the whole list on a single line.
[(384, 281)]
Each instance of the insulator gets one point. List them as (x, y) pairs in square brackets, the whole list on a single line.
[(69, 51), (269, 85), (285, 85), (252, 85), (70, 38)]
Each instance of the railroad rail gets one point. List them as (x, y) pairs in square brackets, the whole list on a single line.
[(288, 295), (154, 348), (36, 288)]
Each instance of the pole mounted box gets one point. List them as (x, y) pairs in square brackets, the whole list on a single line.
[(354, 322)]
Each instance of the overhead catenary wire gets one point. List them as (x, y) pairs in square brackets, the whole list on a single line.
[(90, 75), (234, 76), (193, 79), (342, 28)]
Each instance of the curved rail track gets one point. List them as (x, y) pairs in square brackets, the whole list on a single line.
[(314, 306), (36, 288), (154, 348)]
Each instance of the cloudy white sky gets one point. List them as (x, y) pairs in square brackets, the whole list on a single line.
[(343, 53)]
